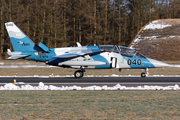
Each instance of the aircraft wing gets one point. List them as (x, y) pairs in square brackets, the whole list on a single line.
[(17, 57), (79, 53)]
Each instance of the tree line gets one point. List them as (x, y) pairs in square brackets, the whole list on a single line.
[(62, 23)]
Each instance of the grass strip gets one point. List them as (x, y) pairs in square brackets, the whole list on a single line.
[(86, 105)]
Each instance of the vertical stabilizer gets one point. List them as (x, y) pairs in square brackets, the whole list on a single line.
[(19, 39)]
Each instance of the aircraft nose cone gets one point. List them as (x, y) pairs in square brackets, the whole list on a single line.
[(157, 63)]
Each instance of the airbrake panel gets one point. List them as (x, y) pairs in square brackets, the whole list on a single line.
[(44, 47)]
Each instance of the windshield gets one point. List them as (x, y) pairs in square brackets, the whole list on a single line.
[(138, 55), (107, 48), (116, 49), (126, 52), (122, 50)]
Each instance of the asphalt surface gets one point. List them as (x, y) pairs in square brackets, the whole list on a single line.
[(88, 81)]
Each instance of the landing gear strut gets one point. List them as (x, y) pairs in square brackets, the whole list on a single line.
[(79, 73), (143, 75)]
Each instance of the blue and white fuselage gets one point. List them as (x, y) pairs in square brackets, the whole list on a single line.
[(82, 57)]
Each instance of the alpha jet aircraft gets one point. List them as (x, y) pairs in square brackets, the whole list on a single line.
[(81, 57)]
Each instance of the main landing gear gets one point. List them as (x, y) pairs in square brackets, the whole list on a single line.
[(143, 75), (79, 73)]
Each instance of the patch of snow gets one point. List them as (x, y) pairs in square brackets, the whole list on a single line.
[(114, 75), (107, 75), (36, 75), (135, 42), (155, 25), (10, 86), (41, 86), (173, 36), (45, 76), (20, 83), (89, 76), (139, 39)]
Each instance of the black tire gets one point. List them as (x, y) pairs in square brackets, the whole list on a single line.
[(78, 74), (143, 75)]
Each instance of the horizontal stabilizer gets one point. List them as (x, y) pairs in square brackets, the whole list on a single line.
[(82, 63), (17, 57), (78, 54), (44, 47)]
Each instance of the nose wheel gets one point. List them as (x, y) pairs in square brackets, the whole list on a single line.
[(143, 75)]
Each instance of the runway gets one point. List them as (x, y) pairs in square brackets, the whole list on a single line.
[(88, 81)]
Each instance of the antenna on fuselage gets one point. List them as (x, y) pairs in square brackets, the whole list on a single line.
[(78, 44)]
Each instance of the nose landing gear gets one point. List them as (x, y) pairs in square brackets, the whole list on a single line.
[(143, 75)]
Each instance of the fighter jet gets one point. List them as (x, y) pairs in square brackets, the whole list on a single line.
[(80, 57)]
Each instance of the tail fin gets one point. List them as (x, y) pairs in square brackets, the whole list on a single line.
[(18, 38)]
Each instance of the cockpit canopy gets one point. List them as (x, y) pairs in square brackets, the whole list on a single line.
[(125, 51)]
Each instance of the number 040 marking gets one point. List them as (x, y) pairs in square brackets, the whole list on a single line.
[(135, 62)]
